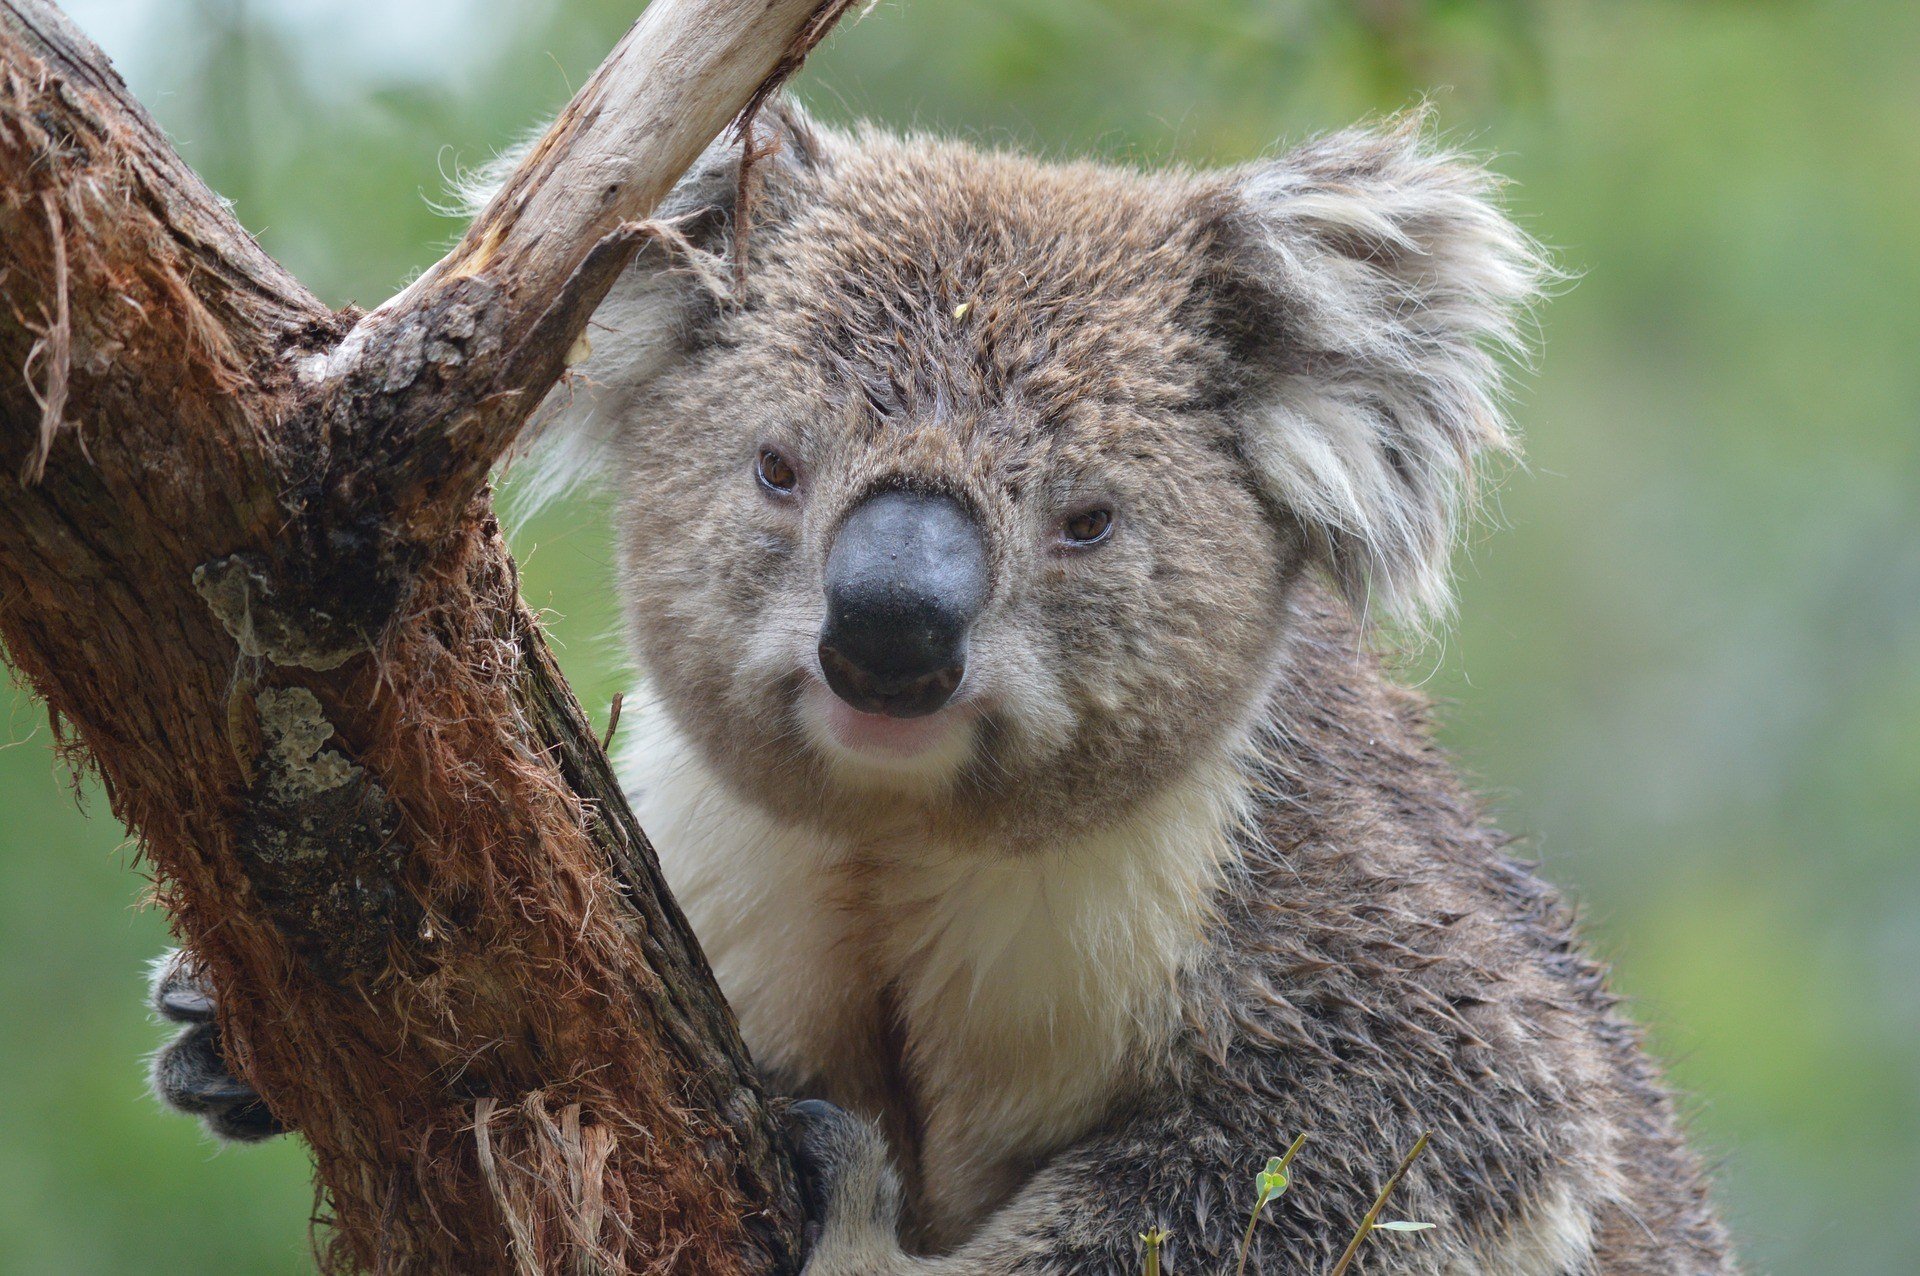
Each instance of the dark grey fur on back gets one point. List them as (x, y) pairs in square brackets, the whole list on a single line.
[(1384, 968)]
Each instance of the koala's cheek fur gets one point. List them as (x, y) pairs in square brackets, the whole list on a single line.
[(1012, 666), (719, 594), (1161, 638)]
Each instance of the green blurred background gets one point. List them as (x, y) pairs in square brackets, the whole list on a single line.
[(1688, 661)]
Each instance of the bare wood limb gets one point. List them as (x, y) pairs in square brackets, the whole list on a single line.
[(269, 599), (541, 256)]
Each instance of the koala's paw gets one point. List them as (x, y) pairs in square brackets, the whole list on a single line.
[(851, 1192), (189, 1073)]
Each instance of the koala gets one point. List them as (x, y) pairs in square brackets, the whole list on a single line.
[(1006, 549)]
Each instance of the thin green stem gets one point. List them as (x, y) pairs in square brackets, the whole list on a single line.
[(1246, 1242), (1154, 1238), (1379, 1203)]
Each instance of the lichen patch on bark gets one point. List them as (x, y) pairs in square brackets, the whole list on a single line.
[(321, 841), (243, 594), (294, 728)]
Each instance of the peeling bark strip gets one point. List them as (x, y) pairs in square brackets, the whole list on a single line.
[(269, 600)]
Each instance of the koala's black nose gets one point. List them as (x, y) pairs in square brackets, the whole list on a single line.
[(906, 577)]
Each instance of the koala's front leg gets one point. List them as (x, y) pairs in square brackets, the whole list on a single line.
[(854, 1199), (853, 1195), (190, 1074)]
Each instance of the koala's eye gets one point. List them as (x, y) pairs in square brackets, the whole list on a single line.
[(1088, 527), (775, 472)]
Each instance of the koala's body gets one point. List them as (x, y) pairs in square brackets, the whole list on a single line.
[(1001, 565)]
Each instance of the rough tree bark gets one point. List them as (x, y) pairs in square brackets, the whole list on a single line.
[(247, 556)]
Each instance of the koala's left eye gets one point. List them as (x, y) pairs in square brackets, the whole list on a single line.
[(1088, 527), (775, 472)]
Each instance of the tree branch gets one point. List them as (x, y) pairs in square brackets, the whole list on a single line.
[(538, 260), (268, 598)]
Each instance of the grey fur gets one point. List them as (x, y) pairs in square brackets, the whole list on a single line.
[(1276, 376), (1390, 281), (1186, 875)]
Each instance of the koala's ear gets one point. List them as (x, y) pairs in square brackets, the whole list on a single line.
[(1371, 285), (657, 312)]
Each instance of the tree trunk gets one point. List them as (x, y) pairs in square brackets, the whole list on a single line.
[(247, 556)]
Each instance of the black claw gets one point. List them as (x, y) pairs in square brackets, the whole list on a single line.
[(247, 1123), (184, 1003), (190, 1074), (823, 1135), (178, 992), (816, 1112)]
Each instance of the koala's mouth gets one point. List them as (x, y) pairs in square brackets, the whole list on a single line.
[(932, 744), (881, 733)]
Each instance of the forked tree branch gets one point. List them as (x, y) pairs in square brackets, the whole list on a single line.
[(249, 562)]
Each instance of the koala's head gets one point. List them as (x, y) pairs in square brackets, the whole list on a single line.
[(983, 505)]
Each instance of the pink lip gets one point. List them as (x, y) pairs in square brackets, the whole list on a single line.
[(877, 733)]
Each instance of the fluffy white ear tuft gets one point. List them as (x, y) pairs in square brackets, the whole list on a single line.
[(646, 324), (1378, 286), (654, 315)]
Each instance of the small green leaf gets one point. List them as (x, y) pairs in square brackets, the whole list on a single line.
[(1271, 1181), (1401, 1225)]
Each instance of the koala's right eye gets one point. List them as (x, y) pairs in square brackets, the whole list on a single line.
[(775, 472)]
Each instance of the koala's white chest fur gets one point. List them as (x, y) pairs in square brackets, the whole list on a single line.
[(1001, 1002)]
